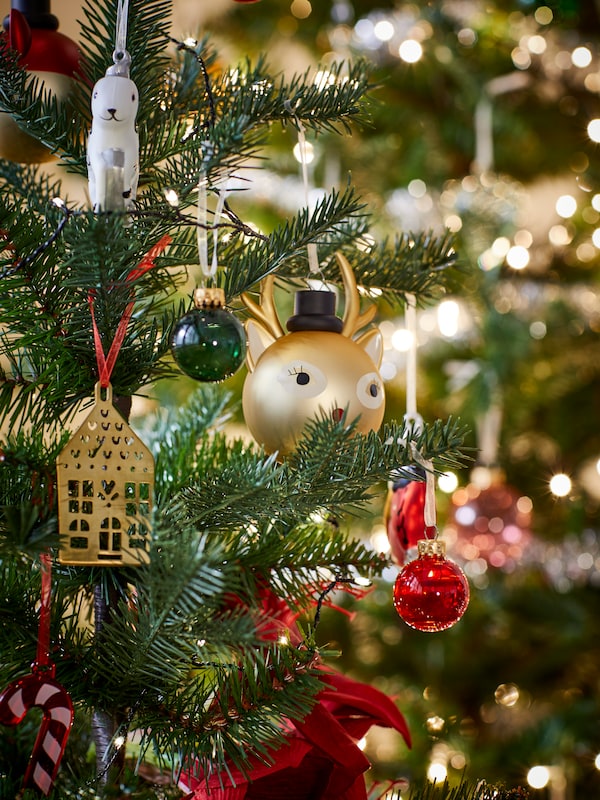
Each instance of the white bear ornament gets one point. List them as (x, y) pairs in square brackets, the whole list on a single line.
[(113, 143)]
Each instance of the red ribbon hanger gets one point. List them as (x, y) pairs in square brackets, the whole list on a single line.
[(106, 363)]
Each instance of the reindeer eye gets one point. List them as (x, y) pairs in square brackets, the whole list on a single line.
[(370, 390), (302, 379)]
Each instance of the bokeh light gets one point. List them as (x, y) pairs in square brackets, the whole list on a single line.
[(538, 777), (410, 51), (560, 484)]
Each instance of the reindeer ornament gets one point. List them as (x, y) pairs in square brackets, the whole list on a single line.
[(317, 368)]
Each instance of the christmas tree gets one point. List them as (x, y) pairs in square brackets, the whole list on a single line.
[(161, 578)]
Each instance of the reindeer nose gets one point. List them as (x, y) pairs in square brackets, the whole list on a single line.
[(337, 414)]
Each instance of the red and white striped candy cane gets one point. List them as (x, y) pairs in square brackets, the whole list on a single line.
[(40, 690)]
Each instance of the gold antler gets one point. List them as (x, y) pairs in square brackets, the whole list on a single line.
[(265, 312), (353, 319)]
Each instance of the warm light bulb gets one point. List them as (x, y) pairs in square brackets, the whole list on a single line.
[(383, 30), (536, 44), (447, 482), (560, 485), (501, 246), (301, 9), (436, 772), (543, 15), (304, 153), (402, 340), (447, 316), (538, 777), (379, 539), (172, 198), (517, 257), (410, 51), (559, 236), (566, 206), (417, 188), (593, 130), (581, 57)]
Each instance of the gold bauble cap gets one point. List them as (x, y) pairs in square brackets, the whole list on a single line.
[(212, 297), (431, 547)]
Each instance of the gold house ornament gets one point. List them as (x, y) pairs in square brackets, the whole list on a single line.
[(105, 477)]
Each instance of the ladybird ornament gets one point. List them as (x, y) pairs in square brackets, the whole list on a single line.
[(315, 369)]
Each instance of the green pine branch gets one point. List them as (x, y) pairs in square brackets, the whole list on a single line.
[(466, 791), (285, 248)]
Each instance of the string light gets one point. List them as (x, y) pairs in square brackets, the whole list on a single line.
[(517, 257), (172, 198), (566, 206), (538, 777), (410, 51), (448, 313), (559, 236), (402, 340), (435, 724), (543, 15), (436, 772), (301, 9), (536, 44), (383, 30), (560, 485), (304, 153), (593, 130), (581, 57), (447, 482)]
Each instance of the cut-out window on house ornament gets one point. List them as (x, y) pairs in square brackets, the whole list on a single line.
[(105, 476)]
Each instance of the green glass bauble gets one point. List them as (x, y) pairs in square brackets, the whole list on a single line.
[(209, 344)]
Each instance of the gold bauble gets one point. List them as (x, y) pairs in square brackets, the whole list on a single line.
[(305, 374)]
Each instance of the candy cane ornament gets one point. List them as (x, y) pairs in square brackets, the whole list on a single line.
[(40, 690)]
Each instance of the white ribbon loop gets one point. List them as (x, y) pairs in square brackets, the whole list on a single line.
[(430, 511)]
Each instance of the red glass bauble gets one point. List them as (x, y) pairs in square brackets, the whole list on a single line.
[(404, 517), (431, 593)]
